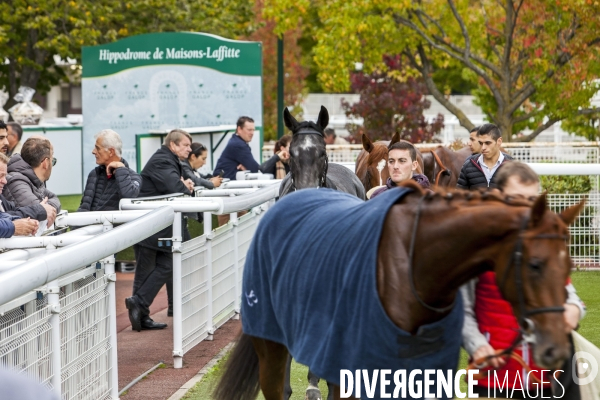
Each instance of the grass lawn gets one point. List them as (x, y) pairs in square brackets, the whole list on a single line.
[(588, 288)]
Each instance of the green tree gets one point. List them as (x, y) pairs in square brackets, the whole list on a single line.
[(295, 72), (33, 33), (532, 63)]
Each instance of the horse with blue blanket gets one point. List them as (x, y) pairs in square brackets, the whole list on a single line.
[(344, 284)]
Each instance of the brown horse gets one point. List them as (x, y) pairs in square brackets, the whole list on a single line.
[(442, 166), (371, 162), (430, 245)]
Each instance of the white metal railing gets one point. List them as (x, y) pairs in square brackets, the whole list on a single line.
[(207, 270), (564, 152), (58, 304)]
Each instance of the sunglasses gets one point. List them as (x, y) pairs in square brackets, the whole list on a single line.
[(53, 160)]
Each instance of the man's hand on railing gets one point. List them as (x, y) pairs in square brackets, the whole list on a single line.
[(50, 211), (188, 184), (25, 226)]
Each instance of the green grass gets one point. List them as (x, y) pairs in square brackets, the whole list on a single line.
[(70, 203), (586, 282)]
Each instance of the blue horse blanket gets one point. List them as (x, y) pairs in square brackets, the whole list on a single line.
[(310, 283)]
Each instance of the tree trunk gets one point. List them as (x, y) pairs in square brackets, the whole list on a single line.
[(506, 125)]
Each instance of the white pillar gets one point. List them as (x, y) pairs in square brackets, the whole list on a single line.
[(53, 293), (177, 293), (236, 257)]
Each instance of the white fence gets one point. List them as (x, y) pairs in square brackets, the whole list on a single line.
[(57, 305)]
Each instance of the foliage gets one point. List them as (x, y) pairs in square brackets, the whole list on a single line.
[(533, 63), (388, 105), (292, 65), (31, 35), (566, 184)]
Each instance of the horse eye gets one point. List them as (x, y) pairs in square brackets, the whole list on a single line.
[(536, 265)]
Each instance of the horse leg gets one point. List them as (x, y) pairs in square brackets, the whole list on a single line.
[(313, 392), (272, 360), (287, 390), (330, 390), (336, 392)]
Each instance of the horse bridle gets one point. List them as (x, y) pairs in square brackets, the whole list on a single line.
[(443, 169), (323, 179), (526, 325)]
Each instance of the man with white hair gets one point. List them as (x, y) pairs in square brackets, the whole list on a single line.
[(112, 180)]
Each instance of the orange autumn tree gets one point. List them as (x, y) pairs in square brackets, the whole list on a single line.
[(534, 62)]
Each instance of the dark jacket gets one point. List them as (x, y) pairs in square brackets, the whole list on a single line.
[(24, 187), (236, 152), (389, 184), (472, 176), (162, 175), (104, 194), (189, 173), (35, 211), (270, 166), (7, 228)]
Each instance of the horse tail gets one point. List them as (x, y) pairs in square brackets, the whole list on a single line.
[(240, 379)]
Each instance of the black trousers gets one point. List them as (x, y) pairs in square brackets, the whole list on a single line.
[(153, 270)]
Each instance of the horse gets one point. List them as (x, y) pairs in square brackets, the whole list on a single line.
[(442, 166), (413, 242), (371, 162), (309, 166)]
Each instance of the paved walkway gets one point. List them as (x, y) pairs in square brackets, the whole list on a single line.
[(140, 351)]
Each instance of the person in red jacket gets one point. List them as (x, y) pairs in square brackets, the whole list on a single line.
[(490, 324)]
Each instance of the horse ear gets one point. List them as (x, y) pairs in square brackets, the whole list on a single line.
[(366, 142), (539, 208), (289, 120), (395, 138), (323, 119), (570, 214)]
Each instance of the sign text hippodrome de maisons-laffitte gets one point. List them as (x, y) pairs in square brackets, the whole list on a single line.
[(218, 54)]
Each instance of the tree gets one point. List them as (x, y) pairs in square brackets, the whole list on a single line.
[(534, 62), (389, 105), (295, 72), (31, 35)]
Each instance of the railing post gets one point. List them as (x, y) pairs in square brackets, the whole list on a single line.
[(236, 258), (177, 293), (53, 293), (111, 279), (209, 307)]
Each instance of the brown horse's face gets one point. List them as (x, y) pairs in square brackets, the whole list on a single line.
[(544, 272), (371, 166)]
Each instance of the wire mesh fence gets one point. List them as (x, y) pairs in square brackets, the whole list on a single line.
[(85, 357), (584, 244)]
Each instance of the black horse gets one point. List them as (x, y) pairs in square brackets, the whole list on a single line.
[(309, 168)]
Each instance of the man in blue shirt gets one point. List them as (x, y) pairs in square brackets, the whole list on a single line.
[(237, 155)]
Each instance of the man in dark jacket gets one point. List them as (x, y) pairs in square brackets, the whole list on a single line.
[(27, 176), (479, 170), (162, 175), (112, 180), (12, 225), (402, 164), (237, 155), (38, 211)]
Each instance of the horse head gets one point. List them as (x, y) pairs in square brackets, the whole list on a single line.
[(308, 155), (533, 280)]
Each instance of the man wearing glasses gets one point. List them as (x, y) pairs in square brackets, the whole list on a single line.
[(27, 176)]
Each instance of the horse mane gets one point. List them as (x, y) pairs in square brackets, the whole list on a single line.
[(379, 152), (473, 197)]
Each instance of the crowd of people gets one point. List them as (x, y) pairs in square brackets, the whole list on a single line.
[(28, 207)]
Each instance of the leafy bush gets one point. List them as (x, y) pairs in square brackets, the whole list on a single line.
[(566, 184)]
